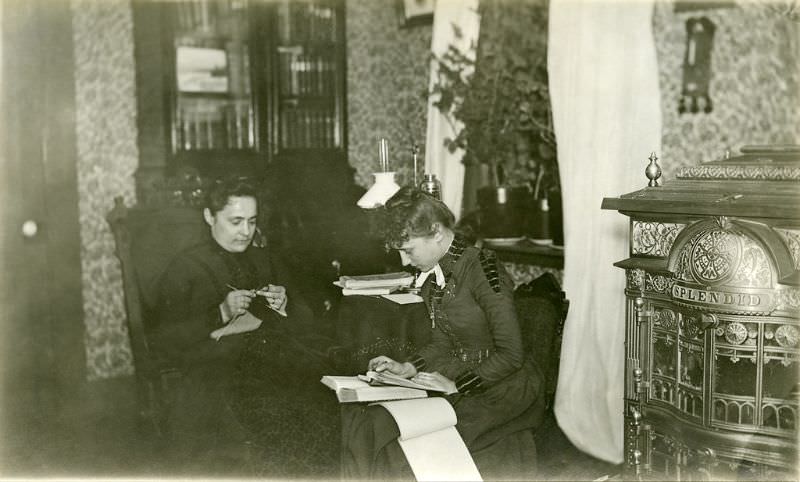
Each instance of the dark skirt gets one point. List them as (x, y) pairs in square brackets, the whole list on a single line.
[(496, 426), (262, 397)]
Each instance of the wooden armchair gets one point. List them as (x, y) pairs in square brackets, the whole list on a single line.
[(146, 241), (542, 310)]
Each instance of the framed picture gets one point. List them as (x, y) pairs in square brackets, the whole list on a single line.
[(202, 70), (415, 12), (690, 5)]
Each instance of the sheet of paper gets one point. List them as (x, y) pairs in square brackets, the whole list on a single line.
[(440, 455), (432, 445), (403, 298), (419, 417), (240, 324)]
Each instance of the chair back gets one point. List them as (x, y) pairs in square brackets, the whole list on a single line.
[(146, 242), (541, 310)]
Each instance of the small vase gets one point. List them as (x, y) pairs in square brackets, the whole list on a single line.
[(432, 186), (556, 218), (502, 211), (380, 192)]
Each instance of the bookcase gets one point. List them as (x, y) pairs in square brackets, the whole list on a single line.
[(237, 85), (311, 91), (213, 105)]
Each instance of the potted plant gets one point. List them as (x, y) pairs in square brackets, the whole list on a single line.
[(504, 107)]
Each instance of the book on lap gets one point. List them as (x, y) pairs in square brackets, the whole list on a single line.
[(354, 389), (389, 379)]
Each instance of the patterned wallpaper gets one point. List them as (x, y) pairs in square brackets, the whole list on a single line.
[(107, 160), (754, 87), (387, 75)]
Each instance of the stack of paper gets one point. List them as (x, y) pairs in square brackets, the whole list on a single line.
[(429, 439), (374, 284)]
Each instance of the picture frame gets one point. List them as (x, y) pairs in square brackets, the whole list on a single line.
[(415, 12), (692, 5), (202, 70)]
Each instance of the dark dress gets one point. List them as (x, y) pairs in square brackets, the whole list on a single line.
[(476, 342), (253, 387)]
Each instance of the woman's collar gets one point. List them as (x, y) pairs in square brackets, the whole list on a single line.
[(454, 252)]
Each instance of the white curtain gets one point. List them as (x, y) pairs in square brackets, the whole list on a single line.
[(447, 166), (606, 112)]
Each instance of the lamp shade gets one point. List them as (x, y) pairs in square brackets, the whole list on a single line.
[(380, 192)]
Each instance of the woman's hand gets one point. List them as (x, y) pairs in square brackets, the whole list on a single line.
[(235, 304), (386, 364), (436, 379), (275, 295)]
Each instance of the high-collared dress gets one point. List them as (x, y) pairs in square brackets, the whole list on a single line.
[(245, 387), (475, 341), (192, 289)]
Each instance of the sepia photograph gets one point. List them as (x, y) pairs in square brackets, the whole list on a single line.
[(432, 240)]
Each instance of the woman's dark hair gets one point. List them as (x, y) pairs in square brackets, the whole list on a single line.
[(221, 190), (412, 213)]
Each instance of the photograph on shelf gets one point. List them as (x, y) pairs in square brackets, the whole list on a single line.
[(202, 70)]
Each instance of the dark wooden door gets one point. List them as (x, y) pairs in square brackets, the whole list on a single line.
[(42, 359)]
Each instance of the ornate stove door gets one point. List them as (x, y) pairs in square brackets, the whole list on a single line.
[(712, 352)]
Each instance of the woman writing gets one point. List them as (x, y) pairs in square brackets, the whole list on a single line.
[(475, 349)]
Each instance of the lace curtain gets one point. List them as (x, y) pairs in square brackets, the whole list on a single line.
[(606, 112), (448, 16)]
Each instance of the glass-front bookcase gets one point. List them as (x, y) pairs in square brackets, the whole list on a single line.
[(237, 84), (310, 89), (214, 106)]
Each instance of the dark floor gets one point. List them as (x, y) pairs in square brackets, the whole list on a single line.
[(100, 437)]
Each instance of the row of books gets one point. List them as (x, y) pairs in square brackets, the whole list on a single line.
[(303, 74), (230, 124), (306, 127), (207, 15), (307, 22), (223, 125)]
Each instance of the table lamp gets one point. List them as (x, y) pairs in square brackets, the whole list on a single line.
[(384, 186)]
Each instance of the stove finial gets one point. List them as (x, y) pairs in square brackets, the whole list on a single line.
[(653, 170)]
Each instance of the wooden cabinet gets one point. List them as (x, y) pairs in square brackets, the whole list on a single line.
[(238, 85), (214, 109), (712, 339), (310, 94)]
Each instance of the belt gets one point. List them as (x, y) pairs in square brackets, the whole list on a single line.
[(472, 354)]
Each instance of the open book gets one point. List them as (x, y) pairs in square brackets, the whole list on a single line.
[(383, 378), (354, 389)]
